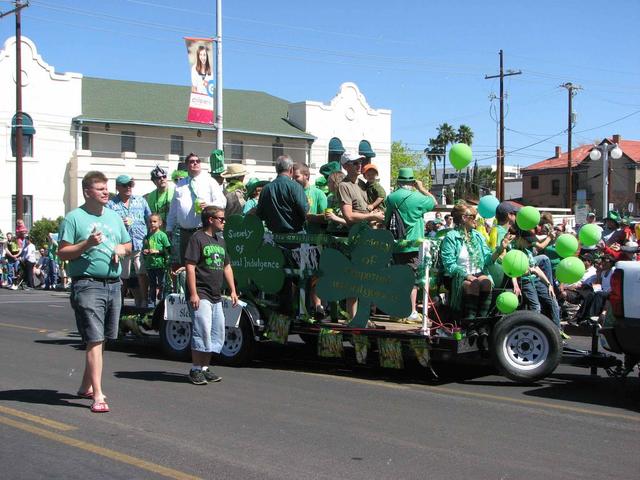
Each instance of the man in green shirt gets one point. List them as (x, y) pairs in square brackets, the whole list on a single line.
[(412, 201), (94, 239), (316, 198), (159, 200)]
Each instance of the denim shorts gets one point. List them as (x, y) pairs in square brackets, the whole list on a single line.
[(96, 304), (208, 327)]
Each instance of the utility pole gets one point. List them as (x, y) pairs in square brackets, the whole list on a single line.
[(500, 153), (18, 124), (218, 109), (571, 90)]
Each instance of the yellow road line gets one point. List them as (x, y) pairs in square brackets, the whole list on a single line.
[(22, 327), (484, 396), (36, 419), (105, 452)]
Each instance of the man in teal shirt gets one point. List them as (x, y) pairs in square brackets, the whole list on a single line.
[(412, 201), (94, 239)]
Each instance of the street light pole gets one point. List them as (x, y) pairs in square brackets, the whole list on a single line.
[(602, 151), (219, 127), (18, 125)]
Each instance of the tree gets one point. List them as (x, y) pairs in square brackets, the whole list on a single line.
[(435, 151), (486, 180), (464, 135), (42, 228), (402, 156), (446, 135)]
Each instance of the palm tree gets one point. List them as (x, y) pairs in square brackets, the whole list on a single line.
[(434, 152), (464, 135), (446, 135)]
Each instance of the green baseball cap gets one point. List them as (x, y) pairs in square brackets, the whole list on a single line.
[(124, 179)]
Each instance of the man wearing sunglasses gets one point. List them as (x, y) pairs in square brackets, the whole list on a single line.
[(159, 199), (192, 195), (353, 199)]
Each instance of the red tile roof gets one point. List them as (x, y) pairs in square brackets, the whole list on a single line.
[(631, 148)]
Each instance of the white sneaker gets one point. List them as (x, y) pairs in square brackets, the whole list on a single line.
[(414, 317), (13, 287)]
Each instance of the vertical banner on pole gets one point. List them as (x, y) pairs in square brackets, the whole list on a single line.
[(200, 52)]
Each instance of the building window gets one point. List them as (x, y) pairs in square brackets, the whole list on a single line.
[(27, 136), (535, 182), (277, 149), (555, 187), (127, 141), (85, 138), (27, 210), (237, 150), (177, 145)]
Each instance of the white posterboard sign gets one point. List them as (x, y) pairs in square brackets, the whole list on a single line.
[(176, 309)]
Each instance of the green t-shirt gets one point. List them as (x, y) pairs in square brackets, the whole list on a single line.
[(157, 241), (317, 205), (160, 203), (95, 261), (412, 205)]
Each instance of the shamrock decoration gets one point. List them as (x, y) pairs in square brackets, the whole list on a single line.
[(367, 276), (251, 260)]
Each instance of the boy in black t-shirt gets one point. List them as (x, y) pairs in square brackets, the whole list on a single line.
[(207, 262)]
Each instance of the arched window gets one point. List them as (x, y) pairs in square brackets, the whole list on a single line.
[(27, 136), (365, 149), (335, 149)]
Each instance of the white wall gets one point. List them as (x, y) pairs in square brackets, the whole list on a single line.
[(52, 100), (348, 117)]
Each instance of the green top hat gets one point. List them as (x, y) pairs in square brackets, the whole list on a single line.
[(329, 168), (405, 174), (254, 183), (614, 216), (216, 160)]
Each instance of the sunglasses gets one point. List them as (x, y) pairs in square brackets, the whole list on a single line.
[(357, 162), (220, 219), (195, 160)]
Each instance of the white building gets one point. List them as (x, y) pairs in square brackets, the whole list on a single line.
[(76, 124)]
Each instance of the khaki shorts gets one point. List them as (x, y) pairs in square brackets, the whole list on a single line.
[(138, 265)]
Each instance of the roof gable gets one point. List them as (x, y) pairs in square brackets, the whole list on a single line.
[(155, 104)]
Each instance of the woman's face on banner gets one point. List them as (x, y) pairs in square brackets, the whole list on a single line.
[(202, 55)]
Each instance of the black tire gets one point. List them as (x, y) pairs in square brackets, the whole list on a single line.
[(239, 344), (175, 339), (526, 346)]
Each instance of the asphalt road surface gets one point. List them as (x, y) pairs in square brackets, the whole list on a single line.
[(289, 415)]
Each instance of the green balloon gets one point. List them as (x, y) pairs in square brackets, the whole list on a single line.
[(528, 218), (566, 245), (515, 263), (590, 234), (570, 270), (507, 302), (460, 155)]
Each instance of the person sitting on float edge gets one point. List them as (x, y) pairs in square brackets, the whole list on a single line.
[(465, 257)]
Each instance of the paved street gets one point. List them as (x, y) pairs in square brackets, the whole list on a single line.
[(290, 416)]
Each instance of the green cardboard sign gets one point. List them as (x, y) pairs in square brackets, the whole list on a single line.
[(252, 260), (367, 276)]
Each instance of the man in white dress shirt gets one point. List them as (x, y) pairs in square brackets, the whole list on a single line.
[(192, 195)]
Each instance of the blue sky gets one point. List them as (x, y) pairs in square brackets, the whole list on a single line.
[(425, 60)]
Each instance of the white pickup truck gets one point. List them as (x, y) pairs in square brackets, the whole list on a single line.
[(621, 329)]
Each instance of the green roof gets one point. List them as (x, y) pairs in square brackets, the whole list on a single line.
[(156, 104)]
